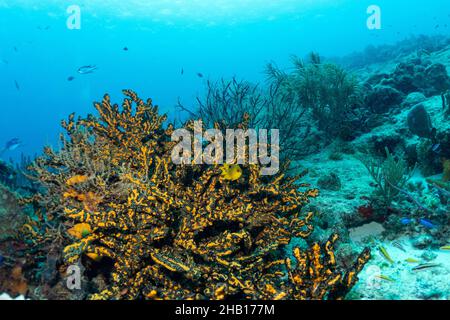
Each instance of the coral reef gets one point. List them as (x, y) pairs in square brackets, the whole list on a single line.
[(311, 106), (417, 75), (419, 122), (113, 200), (12, 218), (11, 215), (381, 99), (421, 45)]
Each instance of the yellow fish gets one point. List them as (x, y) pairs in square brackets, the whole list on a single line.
[(385, 254), (231, 172), (94, 256), (80, 230), (412, 260), (445, 248), (383, 277)]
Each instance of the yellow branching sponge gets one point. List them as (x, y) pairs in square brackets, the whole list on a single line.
[(315, 275), (176, 231)]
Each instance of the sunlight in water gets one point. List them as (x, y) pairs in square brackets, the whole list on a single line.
[(211, 11)]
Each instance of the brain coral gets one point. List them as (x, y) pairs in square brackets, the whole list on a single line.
[(175, 231)]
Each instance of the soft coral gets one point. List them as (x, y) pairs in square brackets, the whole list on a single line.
[(366, 211)]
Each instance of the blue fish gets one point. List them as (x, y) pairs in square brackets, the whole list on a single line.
[(11, 145), (405, 221), (87, 69), (2, 259), (436, 148), (427, 223)]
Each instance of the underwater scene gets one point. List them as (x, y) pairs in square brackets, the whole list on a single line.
[(225, 150)]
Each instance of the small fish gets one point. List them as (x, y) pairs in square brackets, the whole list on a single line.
[(445, 248), (398, 245), (94, 256), (412, 260), (200, 75), (385, 254), (71, 78), (383, 277), (231, 172), (125, 49), (17, 85), (5, 61), (182, 71), (427, 223), (15, 49), (80, 230), (436, 148), (425, 266), (2, 260), (87, 69), (405, 221)]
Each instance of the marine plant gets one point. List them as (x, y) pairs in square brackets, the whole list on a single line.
[(326, 90), (390, 176), (272, 107), (421, 45), (169, 231), (12, 217), (446, 103), (11, 213), (226, 101), (6, 172), (446, 170)]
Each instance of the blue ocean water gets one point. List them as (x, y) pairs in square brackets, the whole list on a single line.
[(38, 52)]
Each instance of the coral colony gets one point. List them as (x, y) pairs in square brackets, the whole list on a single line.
[(113, 197)]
